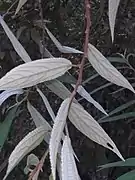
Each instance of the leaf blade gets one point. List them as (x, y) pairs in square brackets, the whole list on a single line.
[(6, 124), (20, 4), (27, 144), (106, 69), (16, 44), (87, 96), (47, 104), (68, 165), (56, 134), (113, 7), (32, 73), (86, 124), (39, 121)]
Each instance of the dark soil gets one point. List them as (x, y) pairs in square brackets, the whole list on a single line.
[(67, 25)]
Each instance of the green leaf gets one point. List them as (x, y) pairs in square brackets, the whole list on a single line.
[(67, 78), (127, 163), (120, 108), (116, 118), (6, 124), (117, 60), (127, 176)]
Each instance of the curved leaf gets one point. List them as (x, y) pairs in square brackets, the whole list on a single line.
[(39, 121), (127, 163), (47, 105), (56, 134), (63, 49), (30, 142), (85, 123), (32, 73), (16, 44), (87, 96), (6, 94), (106, 69)]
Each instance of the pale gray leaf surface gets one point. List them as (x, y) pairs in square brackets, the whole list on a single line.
[(47, 104), (86, 124), (88, 97), (26, 145), (34, 72), (68, 165), (16, 44), (106, 69), (58, 88), (20, 4), (39, 121), (6, 94), (63, 49), (32, 160), (57, 132), (113, 7)]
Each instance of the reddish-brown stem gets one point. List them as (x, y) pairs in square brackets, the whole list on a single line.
[(87, 32)]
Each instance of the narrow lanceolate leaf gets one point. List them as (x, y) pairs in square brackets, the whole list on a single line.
[(130, 162), (26, 145), (85, 123), (32, 73), (47, 104), (58, 88), (113, 7), (106, 69), (57, 132), (20, 4), (63, 49), (87, 96), (16, 44), (40, 121), (6, 94), (68, 165)]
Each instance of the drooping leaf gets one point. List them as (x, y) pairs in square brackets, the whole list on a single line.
[(58, 88), (57, 132), (26, 145), (37, 39), (6, 94), (113, 7), (63, 49), (68, 165), (106, 69), (16, 44), (34, 72), (47, 104), (20, 4), (6, 124), (87, 96), (85, 123), (39, 121), (127, 163), (67, 78), (127, 176)]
